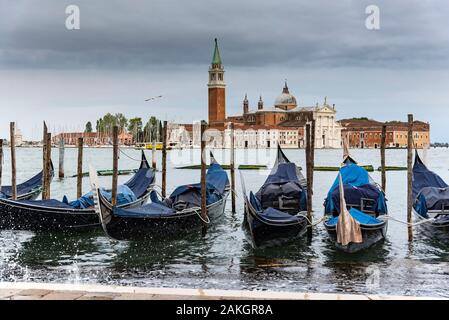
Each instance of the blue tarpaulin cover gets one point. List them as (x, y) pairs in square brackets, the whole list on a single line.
[(357, 184), (359, 216), (353, 196), (429, 190), (124, 195), (27, 186), (283, 189), (270, 213), (141, 181)]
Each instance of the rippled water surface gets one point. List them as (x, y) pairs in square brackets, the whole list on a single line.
[(224, 259)]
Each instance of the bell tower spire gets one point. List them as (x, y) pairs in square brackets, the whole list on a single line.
[(216, 88)]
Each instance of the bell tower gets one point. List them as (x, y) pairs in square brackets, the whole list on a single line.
[(245, 105), (216, 88)]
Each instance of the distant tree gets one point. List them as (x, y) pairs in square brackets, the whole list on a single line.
[(135, 128), (121, 121), (88, 128), (160, 131), (109, 120), (151, 129), (98, 126)]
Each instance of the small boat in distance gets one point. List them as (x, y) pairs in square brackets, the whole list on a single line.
[(276, 214), (365, 201), (174, 216), (78, 215), (431, 196), (28, 190)]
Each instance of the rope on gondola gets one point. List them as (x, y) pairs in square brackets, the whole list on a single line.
[(195, 209), (234, 192), (405, 222)]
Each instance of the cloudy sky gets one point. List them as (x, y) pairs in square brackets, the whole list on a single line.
[(127, 51)]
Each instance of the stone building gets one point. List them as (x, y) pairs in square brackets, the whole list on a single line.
[(367, 133), (92, 138)]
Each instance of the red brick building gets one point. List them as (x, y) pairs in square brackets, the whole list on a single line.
[(367, 133), (92, 138)]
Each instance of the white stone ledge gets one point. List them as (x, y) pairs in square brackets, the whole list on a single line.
[(20, 290)]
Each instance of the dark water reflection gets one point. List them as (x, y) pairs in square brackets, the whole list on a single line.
[(223, 258)]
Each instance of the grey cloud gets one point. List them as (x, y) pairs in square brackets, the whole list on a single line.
[(142, 34)]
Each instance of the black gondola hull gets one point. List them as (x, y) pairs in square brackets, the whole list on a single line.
[(263, 235), (17, 215), (140, 228), (21, 216), (371, 235)]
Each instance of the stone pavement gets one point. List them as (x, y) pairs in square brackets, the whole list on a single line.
[(51, 291)]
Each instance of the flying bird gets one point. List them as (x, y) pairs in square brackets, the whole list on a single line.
[(154, 98)]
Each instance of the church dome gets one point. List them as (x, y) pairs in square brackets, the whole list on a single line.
[(285, 100)]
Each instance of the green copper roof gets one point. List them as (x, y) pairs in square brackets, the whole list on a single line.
[(216, 58)]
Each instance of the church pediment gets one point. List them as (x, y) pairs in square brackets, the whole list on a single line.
[(326, 109)]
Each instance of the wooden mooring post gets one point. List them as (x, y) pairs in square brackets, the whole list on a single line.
[(204, 215), (44, 163), (309, 173), (410, 176), (382, 158), (114, 165), (1, 163), (153, 154), (312, 153), (12, 133), (232, 167), (48, 165), (61, 158), (164, 160), (79, 175)]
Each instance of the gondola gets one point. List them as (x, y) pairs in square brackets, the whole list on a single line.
[(366, 203), (171, 217), (78, 215), (28, 190), (276, 214), (431, 197)]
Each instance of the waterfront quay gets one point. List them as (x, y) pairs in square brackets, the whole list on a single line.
[(47, 291)]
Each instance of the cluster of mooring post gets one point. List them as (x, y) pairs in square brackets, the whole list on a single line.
[(12, 133), (114, 164), (61, 148), (232, 166), (382, 157), (204, 214), (164, 160), (410, 176), (79, 176), (310, 154)]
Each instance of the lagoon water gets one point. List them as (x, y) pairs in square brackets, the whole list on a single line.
[(224, 259)]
